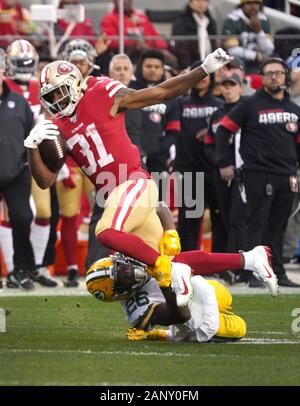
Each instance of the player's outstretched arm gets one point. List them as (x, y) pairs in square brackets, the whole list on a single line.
[(175, 86)]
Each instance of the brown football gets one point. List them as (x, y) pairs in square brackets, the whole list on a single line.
[(54, 153)]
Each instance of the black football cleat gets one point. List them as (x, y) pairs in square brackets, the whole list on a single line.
[(21, 279), (73, 279)]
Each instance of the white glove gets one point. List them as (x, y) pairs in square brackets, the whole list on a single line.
[(45, 130), (215, 61), (64, 173)]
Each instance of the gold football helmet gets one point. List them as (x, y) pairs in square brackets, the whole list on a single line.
[(115, 277), (21, 60), (61, 87)]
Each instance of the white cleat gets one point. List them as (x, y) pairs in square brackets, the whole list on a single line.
[(263, 270), (181, 283)]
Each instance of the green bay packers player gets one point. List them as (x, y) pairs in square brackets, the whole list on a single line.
[(209, 312), (208, 315)]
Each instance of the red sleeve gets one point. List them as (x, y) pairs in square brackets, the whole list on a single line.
[(173, 126), (151, 31), (209, 139), (108, 26), (229, 124)]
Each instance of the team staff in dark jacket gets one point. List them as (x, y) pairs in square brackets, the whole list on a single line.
[(270, 137), (232, 207), (160, 122), (196, 110), (15, 180)]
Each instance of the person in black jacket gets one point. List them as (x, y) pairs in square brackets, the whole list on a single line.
[(191, 160), (15, 180), (270, 137), (194, 21), (160, 122), (230, 193)]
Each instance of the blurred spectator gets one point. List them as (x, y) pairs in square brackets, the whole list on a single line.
[(73, 29), (248, 31), (82, 54), (14, 20), (286, 39), (93, 58), (15, 179), (137, 27), (195, 20), (160, 122)]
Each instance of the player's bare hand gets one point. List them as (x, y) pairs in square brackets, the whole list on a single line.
[(102, 44), (227, 173)]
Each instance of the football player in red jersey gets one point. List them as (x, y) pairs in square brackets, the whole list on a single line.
[(21, 68), (90, 115)]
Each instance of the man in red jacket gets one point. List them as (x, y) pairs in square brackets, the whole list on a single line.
[(84, 29), (137, 27), (14, 20)]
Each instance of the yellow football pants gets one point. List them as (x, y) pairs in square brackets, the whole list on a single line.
[(230, 325), (42, 201), (69, 199), (133, 211)]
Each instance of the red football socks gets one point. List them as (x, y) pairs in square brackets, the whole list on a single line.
[(128, 244), (203, 263)]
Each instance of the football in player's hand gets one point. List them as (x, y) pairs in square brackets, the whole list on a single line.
[(54, 153)]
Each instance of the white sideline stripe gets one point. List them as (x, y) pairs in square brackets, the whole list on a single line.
[(265, 341), (61, 383), (117, 353), (127, 202), (267, 332)]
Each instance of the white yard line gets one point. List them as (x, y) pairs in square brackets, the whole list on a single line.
[(114, 353)]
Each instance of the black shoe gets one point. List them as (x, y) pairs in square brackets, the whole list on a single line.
[(1, 284), (43, 278), (285, 281), (73, 279), (21, 279), (255, 283), (227, 277), (9, 283)]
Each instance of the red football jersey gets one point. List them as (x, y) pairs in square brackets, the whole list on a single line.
[(31, 94), (99, 142)]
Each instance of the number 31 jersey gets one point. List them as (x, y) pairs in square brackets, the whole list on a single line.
[(97, 141)]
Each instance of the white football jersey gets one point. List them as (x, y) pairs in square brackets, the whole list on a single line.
[(137, 303), (204, 321)]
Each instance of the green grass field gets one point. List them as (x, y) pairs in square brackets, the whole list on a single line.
[(79, 341)]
